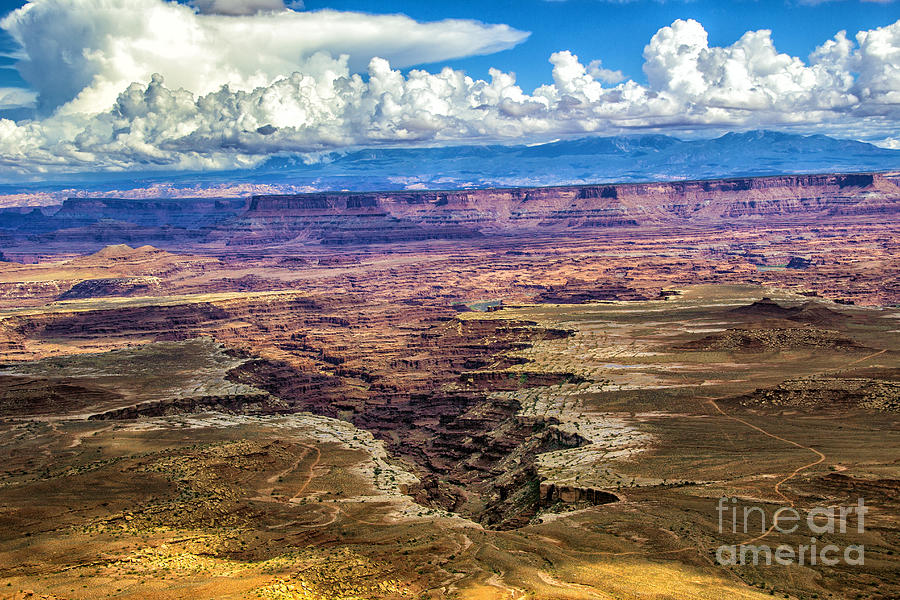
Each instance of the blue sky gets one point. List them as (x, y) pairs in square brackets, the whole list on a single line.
[(616, 33), (613, 32), (223, 84)]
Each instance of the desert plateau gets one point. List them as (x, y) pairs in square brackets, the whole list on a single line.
[(475, 394), (449, 300)]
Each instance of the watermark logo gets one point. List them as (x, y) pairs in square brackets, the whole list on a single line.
[(821, 520)]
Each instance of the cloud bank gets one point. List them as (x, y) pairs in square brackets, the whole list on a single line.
[(163, 89), (83, 53), (241, 7)]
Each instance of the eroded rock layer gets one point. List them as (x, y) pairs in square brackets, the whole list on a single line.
[(338, 219), (416, 215)]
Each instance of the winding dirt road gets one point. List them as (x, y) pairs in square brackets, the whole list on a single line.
[(820, 458)]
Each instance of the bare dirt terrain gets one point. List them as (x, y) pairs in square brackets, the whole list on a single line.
[(547, 414)]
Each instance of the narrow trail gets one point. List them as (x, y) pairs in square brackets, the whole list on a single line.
[(864, 358), (274, 478), (265, 494), (552, 581), (777, 488), (641, 552), (335, 511), (794, 473), (78, 437), (820, 456), (312, 470), (496, 580)]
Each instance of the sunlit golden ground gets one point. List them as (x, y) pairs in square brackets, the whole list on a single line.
[(221, 505)]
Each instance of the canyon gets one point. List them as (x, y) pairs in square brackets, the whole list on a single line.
[(470, 393)]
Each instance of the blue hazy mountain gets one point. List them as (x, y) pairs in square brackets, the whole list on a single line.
[(587, 160)]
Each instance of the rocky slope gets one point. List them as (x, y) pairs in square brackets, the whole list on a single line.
[(112, 286), (829, 392)]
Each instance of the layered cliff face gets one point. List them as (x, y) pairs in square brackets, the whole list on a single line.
[(415, 215), (81, 224), (184, 213), (345, 218), (333, 219)]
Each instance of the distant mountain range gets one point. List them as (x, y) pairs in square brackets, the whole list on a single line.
[(587, 160)]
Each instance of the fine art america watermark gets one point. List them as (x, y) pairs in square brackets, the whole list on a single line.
[(818, 521)]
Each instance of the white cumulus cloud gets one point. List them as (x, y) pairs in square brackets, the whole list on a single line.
[(238, 7), (599, 72), (83, 53), (318, 101), (13, 97)]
